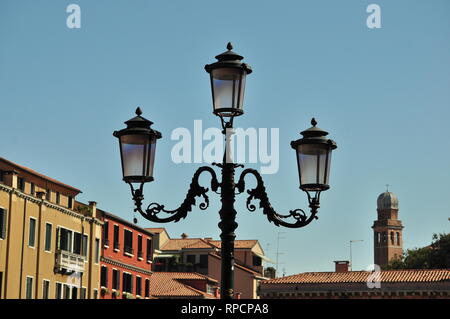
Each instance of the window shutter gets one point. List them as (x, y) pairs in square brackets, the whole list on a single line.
[(3, 213)]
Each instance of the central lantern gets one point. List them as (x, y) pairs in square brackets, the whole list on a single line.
[(228, 83)]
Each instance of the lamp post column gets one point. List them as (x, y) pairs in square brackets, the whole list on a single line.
[(227, 218), (227, 225)]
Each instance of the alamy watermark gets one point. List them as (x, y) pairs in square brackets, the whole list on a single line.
[(374, 279), (249, 145)]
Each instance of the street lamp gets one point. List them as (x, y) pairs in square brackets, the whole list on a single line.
[(137, 149)]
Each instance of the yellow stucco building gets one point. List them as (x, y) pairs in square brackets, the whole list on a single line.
[(49, 243)]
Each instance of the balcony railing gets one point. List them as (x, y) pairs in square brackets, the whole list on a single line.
[(70, 261)]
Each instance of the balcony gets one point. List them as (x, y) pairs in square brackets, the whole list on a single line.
[(69, 261)]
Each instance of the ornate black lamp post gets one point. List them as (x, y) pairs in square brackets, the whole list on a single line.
[(137, 149)]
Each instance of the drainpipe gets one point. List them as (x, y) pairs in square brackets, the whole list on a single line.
[(40, 195), (23, 246)]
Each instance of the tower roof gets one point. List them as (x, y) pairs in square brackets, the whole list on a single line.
[(387, 200)]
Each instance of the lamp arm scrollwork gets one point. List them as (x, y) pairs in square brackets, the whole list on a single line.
[(195, 190), (259, 192)]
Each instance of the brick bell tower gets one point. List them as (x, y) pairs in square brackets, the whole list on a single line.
[(387, 230)]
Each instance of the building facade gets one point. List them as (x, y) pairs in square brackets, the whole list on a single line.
[(126, 262), (49, 243), (387, 230), (202, 255)]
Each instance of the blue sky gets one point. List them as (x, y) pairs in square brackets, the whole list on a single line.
[(383, 94)]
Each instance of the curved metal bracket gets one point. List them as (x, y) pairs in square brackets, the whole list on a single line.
[(299, 215), (195, 190)]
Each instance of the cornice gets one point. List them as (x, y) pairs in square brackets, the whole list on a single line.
[(120, 264), (39, 201)]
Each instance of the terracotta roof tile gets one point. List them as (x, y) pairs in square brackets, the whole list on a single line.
[(413, 275), (237, 243), (169, 284)]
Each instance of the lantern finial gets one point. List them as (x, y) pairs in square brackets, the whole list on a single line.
[(229, 46), (313, 122), (138, 111)]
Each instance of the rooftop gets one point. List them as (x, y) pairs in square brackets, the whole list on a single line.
[(411, 275), (170, 284), (33, 172)]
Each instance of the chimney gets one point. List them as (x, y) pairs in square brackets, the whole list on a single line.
[(93, 208), (10, 178), (184, 235), (342, 266)]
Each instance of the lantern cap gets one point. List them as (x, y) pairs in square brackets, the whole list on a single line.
[(229, 59), (138, 124), (314, 135)]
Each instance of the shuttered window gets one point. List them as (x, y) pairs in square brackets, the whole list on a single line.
[(48, 237), (3, 214), (32, 232), (29, 288)]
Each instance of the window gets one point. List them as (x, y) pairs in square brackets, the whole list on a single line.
[(116, 237), (1, 284), (398, 239), (21, 184), (147, 288), (392, 238), (48, 237), (138, 286), (3, 223), (66, 291), (190, 259), (1, 175), (85, 246), (127, 282), (29, 288), (139, 246), (203, 261), (65, 239), (128, 241), (32, 232), (45, 289), (149, 249), (116, 279), (95, 293), (70, 201), (74, 292), (58, 198), (32, 189), (257, 261), (106, 233), (97, 250), (58, 291), (104, 277), (77, 243), (83, 293), (48, 195)]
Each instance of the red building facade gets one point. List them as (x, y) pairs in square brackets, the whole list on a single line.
[(126, 261)]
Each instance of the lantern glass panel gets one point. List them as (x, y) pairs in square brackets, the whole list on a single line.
[(138, 155), (228, 86), (314, 165)]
